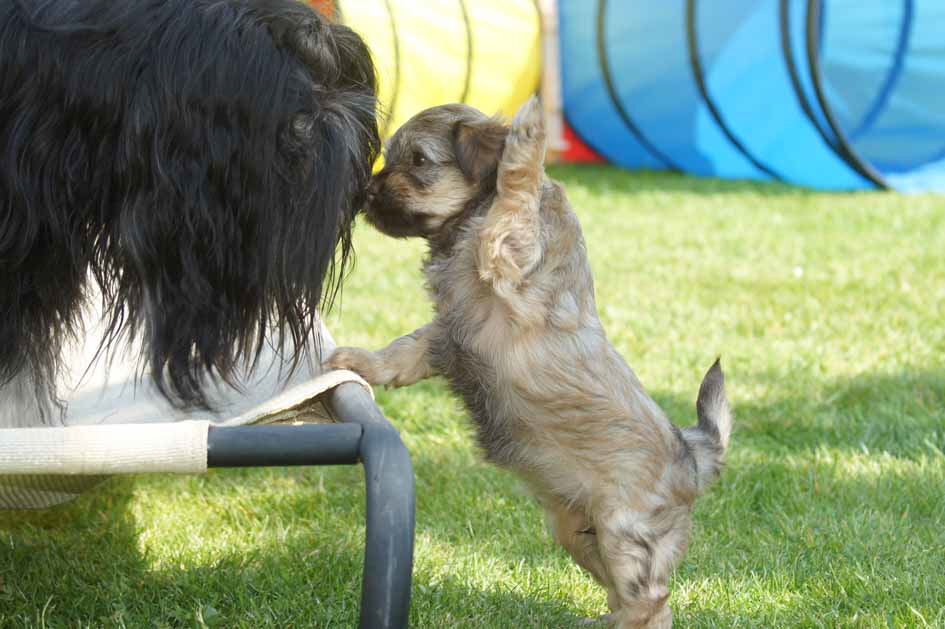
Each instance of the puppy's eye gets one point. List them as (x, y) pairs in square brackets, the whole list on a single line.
[(419, 159)]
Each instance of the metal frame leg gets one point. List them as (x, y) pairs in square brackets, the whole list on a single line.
[(388, 555), (365, 436)]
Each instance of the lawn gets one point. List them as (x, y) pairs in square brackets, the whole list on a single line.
[(827, 310)]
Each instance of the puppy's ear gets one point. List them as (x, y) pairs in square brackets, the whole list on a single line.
[(478, 147)]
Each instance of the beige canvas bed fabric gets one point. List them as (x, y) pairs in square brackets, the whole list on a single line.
[(179, 447), (116, 422)]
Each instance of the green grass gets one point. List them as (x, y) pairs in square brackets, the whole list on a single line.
[(828, 312)]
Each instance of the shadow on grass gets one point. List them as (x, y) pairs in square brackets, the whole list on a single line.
[(902, 414), (86, 548), (83, 564), (87, 563)]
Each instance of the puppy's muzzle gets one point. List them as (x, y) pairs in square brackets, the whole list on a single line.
[(375, 207), (373, 194)]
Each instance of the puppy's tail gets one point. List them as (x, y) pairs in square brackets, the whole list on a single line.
[(709, 438)]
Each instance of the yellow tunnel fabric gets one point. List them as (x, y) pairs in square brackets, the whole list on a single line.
[(485, 53)]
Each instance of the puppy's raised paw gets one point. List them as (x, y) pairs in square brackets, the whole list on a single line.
[(523, 158), (529, 122)]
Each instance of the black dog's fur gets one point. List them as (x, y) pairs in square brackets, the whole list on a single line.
[(199, 160)]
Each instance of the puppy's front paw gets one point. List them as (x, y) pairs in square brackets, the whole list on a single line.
[(360, 361)]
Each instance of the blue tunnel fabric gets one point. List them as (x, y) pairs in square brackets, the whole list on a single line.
[(591, 112), (834, 94)]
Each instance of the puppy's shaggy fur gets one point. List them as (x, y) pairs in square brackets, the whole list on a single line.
[(194, 162), (517, 335)]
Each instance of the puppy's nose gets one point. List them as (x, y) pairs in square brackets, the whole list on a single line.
[(374, 189)]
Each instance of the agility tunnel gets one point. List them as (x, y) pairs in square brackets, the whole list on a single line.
[(833, 94), (485, 53)]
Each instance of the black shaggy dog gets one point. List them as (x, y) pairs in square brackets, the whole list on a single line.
[(192, 163)]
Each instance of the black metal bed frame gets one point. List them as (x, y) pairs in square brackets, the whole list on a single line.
[(364, 436)]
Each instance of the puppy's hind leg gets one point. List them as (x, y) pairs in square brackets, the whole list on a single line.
[(577, 535), (510, 239), (403, 362)]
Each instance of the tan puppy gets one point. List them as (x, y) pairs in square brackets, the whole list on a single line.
[(517, 335)]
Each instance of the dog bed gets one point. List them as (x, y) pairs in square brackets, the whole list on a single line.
[(116, 422)]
